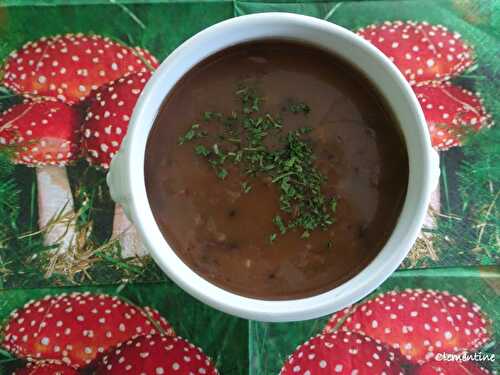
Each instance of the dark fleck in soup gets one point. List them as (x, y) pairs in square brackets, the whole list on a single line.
[(276, 170)]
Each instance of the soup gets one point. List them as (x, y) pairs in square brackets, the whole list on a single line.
[(275, 170)]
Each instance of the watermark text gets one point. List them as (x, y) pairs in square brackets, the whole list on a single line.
[(465, 357)]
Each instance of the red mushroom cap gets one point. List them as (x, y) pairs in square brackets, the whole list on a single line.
[(422, 52), (108, 115), (160, 322), (343, 353), (451, 113), (69, 67), (41, 132), (76, 328), (420, 323), (450, 368), (45, 369), (147, 58), (156, 355)]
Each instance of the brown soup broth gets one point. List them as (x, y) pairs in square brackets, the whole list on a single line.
[(223, 233)]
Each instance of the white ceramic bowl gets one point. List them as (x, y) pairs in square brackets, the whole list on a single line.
[(126, 176)]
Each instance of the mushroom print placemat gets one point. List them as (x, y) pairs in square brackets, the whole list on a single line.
[(80, 295)]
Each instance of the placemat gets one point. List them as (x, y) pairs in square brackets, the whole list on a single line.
[(458, 251)]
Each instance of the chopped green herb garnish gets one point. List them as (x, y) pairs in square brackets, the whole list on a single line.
[(280, 224), (246, 187), (208, 116), (191, 134), (272, 237), (201, 150), (216, 149), (333, 205), (258, 144), (250, 100), (222, 174), (297, 107)]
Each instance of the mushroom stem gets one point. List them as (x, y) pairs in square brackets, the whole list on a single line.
[(127, 235), (55, 207)]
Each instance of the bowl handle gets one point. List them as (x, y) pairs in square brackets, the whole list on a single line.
[(117, 179), (435, 170)]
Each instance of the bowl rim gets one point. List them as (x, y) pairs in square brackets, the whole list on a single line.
[(132, 154)]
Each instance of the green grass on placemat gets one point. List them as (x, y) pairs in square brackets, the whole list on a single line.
[(471, 230), (26, 262)]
